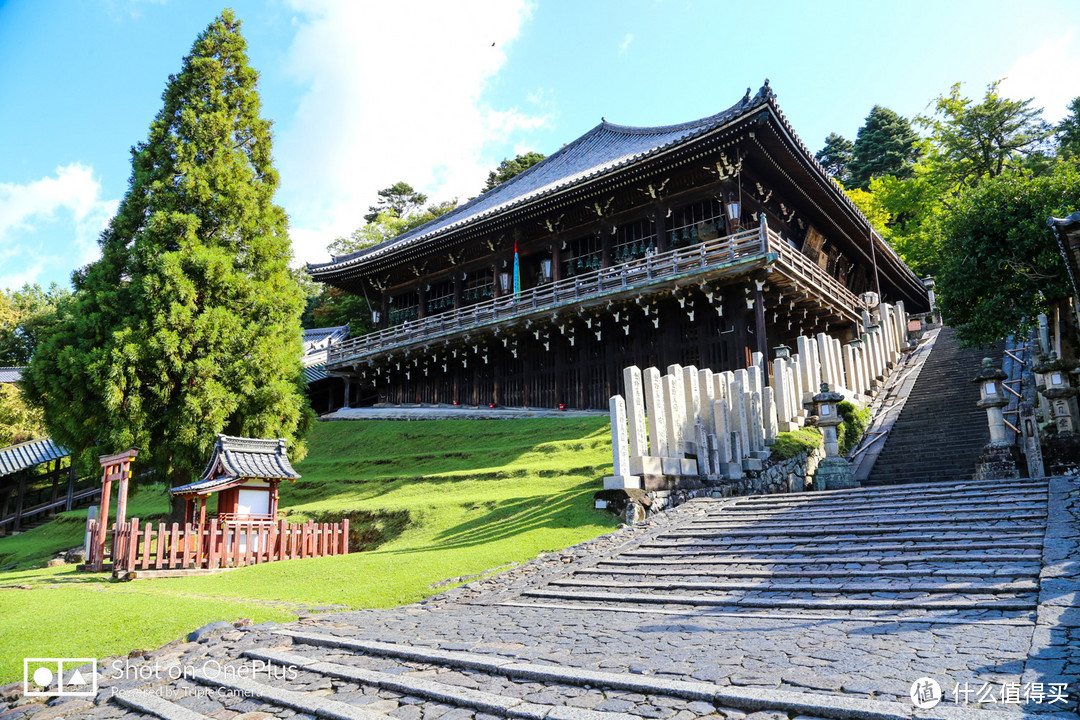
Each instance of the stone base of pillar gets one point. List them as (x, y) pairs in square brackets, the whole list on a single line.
[(752, 464), (622, 482), (834, 474), (648, 465), (787, 426), (997, 462)]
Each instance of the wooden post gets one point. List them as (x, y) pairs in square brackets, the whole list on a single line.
[(103, 522), (212, 546), (202, 510), (147, 538), (173, 532), (160, 555), (283, 538), (345, 536)]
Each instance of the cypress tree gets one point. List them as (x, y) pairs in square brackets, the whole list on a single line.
[(188, 325), (885, 145)]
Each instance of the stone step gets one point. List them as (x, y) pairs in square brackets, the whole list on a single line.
[(747, 699), (156, 706), (627, 567), (957, 490), (905, 511), (857, 534), (941, 588), (913, 542), (856, 520), (302, 702), (835, 603), (420, 687), (786, 559)]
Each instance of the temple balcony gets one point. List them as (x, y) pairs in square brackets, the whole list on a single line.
[(761, 251)]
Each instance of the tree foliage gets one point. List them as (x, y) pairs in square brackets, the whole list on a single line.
[(509, 168), (1068, 133), (188, 325), (886, 145), (836, 157), (25, 314), (398, 200), (19, 421), (1001, 265), (976, 141)]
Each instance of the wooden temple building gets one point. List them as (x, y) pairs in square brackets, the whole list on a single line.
[(699, 243)]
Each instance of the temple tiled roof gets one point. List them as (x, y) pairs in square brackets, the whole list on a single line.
[(11, 374), (28, 454), (250, 458), (316, 335), (604, 149), (315, 373)]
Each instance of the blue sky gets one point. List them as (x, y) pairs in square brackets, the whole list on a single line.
[(363, 94)]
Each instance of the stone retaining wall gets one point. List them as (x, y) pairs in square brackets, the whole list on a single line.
[(777, 476)]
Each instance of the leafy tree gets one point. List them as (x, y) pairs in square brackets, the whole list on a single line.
[(333, 306), (387, 225), (509, 168), (24, 315), (1068, 132), (976, 141), (1000, 263), (398, 200), (836, 157), (19, 422), (886, 145), (188, 325)]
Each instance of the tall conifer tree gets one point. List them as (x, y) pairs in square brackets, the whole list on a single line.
[(188, 325), (886, 145)]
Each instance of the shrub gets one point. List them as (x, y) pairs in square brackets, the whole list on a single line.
[(796, 442), (848, 433)]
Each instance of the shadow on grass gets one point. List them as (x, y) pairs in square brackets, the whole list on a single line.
[(509, 518)]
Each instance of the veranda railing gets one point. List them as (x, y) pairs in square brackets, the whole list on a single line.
[(711, 254)]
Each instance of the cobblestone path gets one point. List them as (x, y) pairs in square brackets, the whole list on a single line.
[(816, 605)]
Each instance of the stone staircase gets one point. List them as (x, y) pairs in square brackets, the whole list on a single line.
[(803, 606), (940, 432), (948, 551)]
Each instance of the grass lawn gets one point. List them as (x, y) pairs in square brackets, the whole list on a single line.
[(433, 500)]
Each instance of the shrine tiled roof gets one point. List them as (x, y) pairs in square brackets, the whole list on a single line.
[(604, 149), (251, 458), (28, 454)]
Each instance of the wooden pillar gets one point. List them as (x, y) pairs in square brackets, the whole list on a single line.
[(459, 281), (421, 308), (556, 260), (121, 495), (605, 247), (384, 313), (103, 522), (759, 328), (20, 494), (497, 289), (274, 499), (202, 510), (348, 390), (55, 481), (661, 224)]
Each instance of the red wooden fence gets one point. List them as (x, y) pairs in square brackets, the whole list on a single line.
[(217, 545)]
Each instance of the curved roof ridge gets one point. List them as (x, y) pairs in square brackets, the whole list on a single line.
[(587, 156)]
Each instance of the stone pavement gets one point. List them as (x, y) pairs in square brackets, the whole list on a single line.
[(816, 605)]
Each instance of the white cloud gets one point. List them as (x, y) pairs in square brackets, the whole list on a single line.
[(72, 195), (395, 91), (1043, 74), (626, 43)]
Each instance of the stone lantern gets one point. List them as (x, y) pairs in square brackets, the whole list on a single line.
[(1059, 392), (782, 351), (997, 461), (834, 472)]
